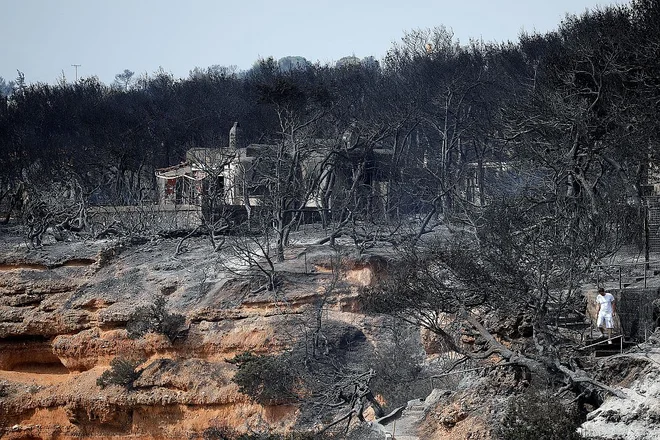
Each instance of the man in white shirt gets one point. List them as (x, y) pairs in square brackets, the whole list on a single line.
[(606, 312)]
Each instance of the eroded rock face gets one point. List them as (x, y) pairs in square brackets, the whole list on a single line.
[(63, 313), (637, 417)]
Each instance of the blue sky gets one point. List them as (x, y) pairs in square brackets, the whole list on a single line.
[(43, 38)]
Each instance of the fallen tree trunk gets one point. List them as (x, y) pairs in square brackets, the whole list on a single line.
[(543, 369)]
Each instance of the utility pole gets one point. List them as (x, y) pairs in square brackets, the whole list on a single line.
[(76, 66)]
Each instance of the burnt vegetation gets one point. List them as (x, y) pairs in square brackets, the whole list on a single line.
[(537, 415), (155, 318), (330, 377), (122, 372), (536, 156)]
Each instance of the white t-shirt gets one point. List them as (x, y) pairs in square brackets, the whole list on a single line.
[(605, 302)]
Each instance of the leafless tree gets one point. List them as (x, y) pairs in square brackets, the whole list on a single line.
[(455, 292)]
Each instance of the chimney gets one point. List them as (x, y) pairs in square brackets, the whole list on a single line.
[(234, 137)]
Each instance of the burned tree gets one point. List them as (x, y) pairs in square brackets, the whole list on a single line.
[(473, 304)]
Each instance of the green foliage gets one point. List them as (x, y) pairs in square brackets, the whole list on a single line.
[(538, 416), (267, 379), (155, 319), (122, 372)]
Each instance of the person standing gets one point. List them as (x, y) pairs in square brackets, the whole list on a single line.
[(606, 312)]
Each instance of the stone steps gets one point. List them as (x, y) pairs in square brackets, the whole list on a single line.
[(603, 349), (567, 319), (405, 426), (575, 325), (606, 353)]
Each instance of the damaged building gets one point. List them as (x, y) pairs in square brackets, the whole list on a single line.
[(238, 176)]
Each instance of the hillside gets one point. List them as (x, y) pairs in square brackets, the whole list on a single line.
[(63, 315), (65, 309)]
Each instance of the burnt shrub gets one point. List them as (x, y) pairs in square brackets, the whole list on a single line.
[(219, 433), (291, 436), (226, 433), (155, 318), (266, 379), (397, 361), (537, 415), (122, 372)]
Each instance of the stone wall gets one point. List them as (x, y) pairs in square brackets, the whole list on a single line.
[(147, 217)]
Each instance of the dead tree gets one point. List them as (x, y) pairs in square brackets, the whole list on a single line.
[(453, 293)]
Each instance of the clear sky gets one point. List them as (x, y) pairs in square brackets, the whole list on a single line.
[(43, 38)]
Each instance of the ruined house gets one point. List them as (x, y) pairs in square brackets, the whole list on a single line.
[(235, 175)]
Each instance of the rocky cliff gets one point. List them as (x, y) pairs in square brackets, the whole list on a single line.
[(63, 315), (64, 310)]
